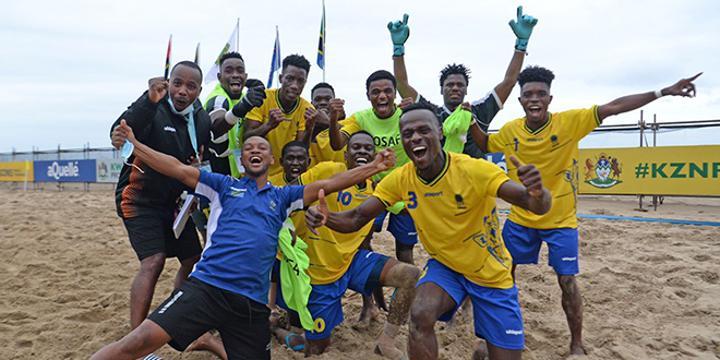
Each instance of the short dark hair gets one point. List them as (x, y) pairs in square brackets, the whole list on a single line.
[(190, 64), (421, 105), (230, 55), (454, 69), (294, 143), (297, 61), (322, 85), (536, 74), (380, 75), (361, 132)]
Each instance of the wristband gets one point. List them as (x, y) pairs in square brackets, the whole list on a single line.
[(658, 94), (521, 44), (398, 50), (231, 118)]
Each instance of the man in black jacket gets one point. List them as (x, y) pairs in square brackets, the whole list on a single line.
[(169, 119)]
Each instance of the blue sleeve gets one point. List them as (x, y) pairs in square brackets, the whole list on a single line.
[(292, 196), (211, 185)]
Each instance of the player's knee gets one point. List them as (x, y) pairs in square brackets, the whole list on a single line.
[(410, 275), (316, 347), (189, 262), (131, 345), (567, 283), (153, 264), (421, 318)]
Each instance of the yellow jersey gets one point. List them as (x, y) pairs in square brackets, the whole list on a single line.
[(553, 149), (320, 150), (286, 131), (455, 216)]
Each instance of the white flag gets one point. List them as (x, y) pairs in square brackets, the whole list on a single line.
[(230, 46)]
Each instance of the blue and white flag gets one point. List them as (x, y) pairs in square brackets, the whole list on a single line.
[(276, 59)]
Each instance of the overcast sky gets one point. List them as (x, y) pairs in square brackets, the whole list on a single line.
[(69, 68)]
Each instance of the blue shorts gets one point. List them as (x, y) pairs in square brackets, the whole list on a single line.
[(524, 246), (325, 302), (496, 312), (402, 228)]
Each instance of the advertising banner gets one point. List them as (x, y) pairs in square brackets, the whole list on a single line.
[(16, 171), (662, 170), (108, 170), (65, 170)]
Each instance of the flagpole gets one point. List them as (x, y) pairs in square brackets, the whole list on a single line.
[(237, 38), (277, 72), (324, 47), (167, 58)]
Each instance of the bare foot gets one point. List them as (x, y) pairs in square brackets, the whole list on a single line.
[(577, 350), (208, 342), (386, 348)]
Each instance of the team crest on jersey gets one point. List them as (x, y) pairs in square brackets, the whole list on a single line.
[(273, 204), (554, 140), (236, 192), (460, 202), (603, 172)]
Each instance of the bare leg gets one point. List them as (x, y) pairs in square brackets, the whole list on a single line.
[(146, 338), (404, 253), (211, 343), (403, 277), (184, 271), (431, 301), (316, 347), (496, 353), (143, 287), (369, 311), (481, 350), (573, 307)]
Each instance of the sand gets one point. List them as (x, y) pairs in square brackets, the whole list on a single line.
[(651, 291)]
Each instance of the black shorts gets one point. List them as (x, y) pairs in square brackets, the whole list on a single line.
[(198, 307), (151, 233)]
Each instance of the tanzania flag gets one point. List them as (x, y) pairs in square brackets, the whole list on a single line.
[(321, 42)]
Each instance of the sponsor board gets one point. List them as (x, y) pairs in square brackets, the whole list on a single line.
[(108, 170), (16, 171), (662, 170), (65, 170)]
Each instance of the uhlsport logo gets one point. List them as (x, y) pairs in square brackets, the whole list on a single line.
[(604, 172)]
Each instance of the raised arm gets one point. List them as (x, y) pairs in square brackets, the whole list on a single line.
[(522, 27), (684, 87), (383, 160), (399, 33), (337, 139), (530, 195), (346, 221), (162, 163), (479, 136), (139, 115)]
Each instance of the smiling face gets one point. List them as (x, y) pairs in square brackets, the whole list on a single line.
[(381, 94), (232, 76), (185, 85), (360, 150), (292, 82), (295, 161), (421, 136), (256, 156), (454, 90), (535, 99)]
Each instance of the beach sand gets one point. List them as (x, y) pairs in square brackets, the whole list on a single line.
[(651, 291)]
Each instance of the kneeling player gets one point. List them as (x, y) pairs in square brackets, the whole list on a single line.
[(337, 264), (451, 198)]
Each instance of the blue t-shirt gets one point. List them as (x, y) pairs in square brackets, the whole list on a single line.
[(242, 232)]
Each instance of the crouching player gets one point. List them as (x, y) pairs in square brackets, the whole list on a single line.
[(451, 198)]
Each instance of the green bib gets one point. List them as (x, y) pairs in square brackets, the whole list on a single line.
[(455, 129), (294, 280), (236, 132), (385, 133)]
